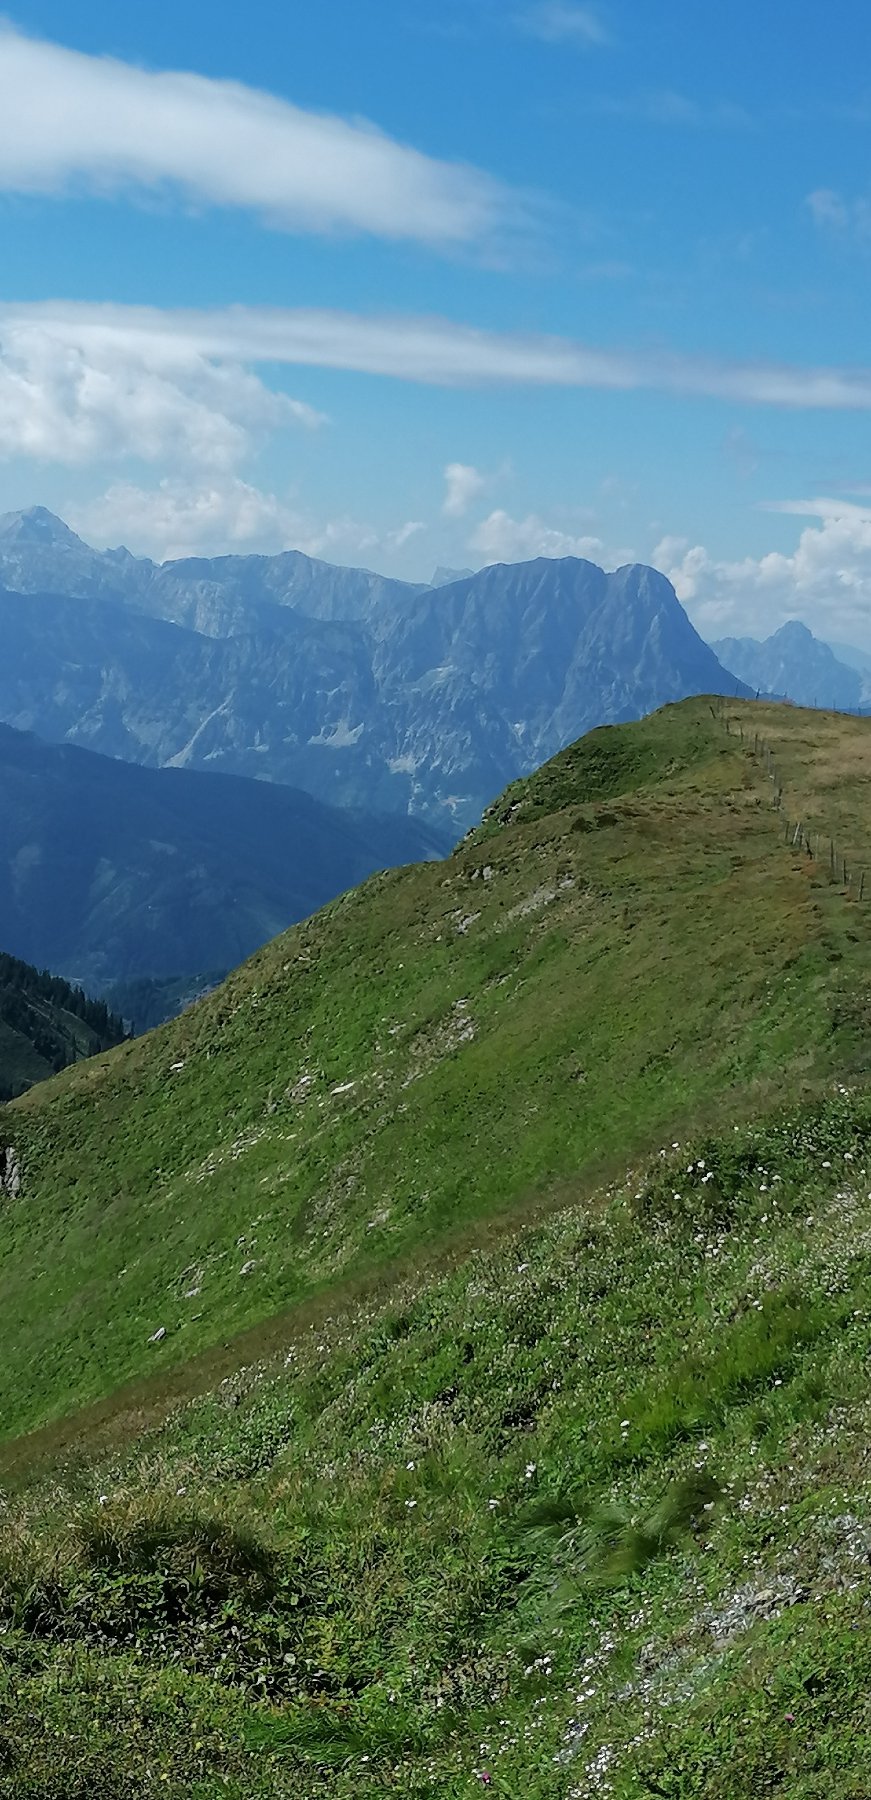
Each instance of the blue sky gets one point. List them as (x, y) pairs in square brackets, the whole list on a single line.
[(449, 281)]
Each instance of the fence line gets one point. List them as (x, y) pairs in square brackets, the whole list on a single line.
[(841, 873)]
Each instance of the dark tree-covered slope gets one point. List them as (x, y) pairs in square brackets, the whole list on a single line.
[(45, 1024)]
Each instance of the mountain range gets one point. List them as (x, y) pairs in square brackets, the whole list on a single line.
[(797, 666), (109, 871), (361, 690)]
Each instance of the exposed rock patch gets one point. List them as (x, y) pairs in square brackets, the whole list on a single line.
[(10, 1172)]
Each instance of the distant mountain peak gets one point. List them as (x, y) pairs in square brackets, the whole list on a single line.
[(36, 525), (795, 663), (794, 632), (443, 576)]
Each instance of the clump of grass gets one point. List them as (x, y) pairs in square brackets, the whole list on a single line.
[(599, 1543), (148, 1534)]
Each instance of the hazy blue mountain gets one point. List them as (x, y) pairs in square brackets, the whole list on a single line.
[(795, 664), (109, 871), (362, 691), (855, 658), (216, 595), (443, 577)]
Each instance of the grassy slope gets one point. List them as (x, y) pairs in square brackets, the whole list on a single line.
[(344, 1528), (430, 1049)]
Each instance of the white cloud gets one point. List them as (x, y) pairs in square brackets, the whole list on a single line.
[(180, 518), (77, 396), (564, 22), (80, 382), (499, 538), (845, 218), (408, 348), (463, 484), (188, 518), (825, 581), (69, 121)]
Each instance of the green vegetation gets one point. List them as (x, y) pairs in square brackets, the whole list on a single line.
[(530, 1473), (45, 1024)]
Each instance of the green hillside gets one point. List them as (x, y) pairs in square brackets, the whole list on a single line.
[(45, 1024), (536, 1183)]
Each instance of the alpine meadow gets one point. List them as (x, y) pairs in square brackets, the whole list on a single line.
[(435, 901), (464, 1382)]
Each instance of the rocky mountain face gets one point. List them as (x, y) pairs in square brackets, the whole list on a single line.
[(110, 871), (795, 665), (362, 691)]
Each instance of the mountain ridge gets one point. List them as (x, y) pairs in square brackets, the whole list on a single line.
[(359, 689)]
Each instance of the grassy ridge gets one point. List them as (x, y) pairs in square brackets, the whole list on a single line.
[(439, 1044), (551, 1482)]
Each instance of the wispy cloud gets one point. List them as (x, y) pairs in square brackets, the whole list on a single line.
[(823, 507), (81, 381), (70, 122), (665, 106), (844, 218), (564, 22)]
